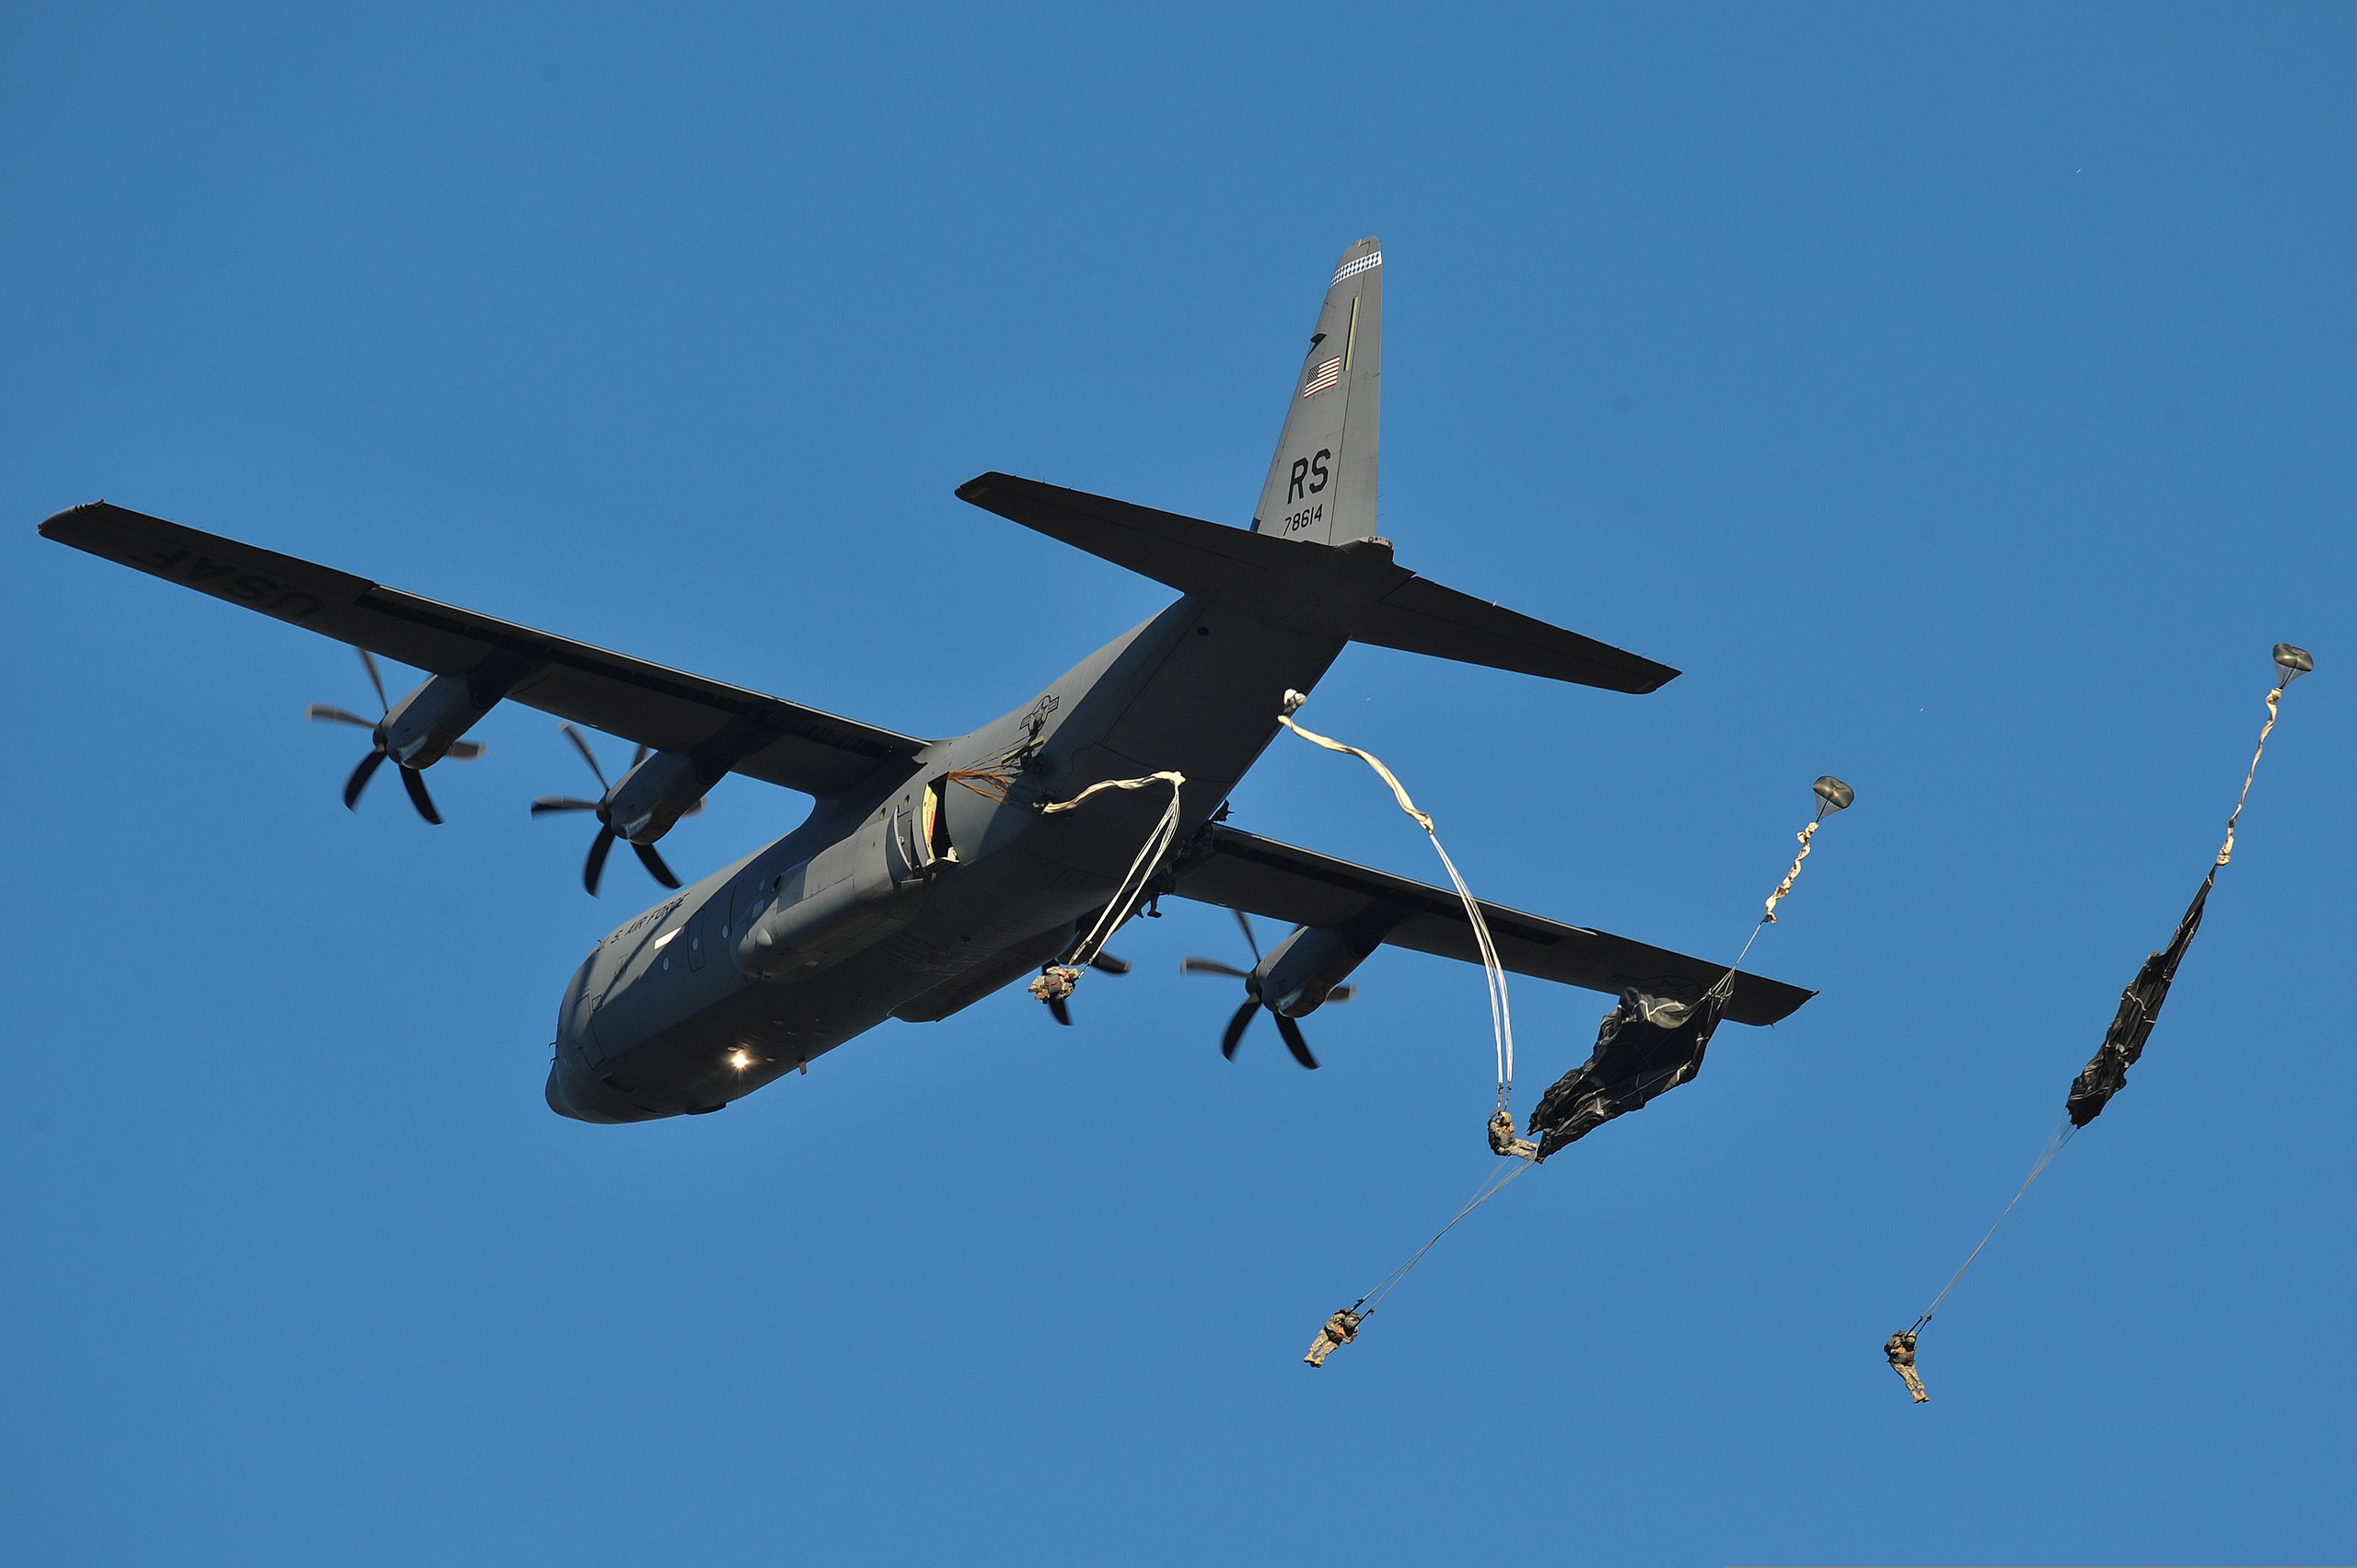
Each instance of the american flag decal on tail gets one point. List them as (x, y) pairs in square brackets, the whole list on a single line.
[(1327, 375)]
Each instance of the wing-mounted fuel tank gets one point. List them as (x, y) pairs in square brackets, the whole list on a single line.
[(849, 895)]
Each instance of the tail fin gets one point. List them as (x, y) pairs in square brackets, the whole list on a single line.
[(1321, 485), (1320, 492)]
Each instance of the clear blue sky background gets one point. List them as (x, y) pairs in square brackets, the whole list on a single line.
[(1963, 398)]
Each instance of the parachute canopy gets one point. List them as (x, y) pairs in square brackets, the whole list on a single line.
[(1647, 1046), (2105, 1073)]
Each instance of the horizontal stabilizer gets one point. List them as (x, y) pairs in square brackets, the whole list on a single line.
[(1353, 590), (1244, 871), (1422, 617), (1188, 554)]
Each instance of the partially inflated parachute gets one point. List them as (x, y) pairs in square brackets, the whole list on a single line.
[(1647, 1046), (2105, 1073)]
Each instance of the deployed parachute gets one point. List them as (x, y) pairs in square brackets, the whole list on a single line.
[(1650, 1043), (2105, 1073), (1647, 1046)]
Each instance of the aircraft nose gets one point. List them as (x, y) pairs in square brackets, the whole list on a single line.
[(574, 1091)]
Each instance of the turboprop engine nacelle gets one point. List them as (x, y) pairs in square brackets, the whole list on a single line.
[(422, 726), (1302, 970), (655, 793)]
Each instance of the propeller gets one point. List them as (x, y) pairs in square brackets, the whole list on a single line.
[(593, 868), (1059, 1008), (412, 780), (1287, 1027)]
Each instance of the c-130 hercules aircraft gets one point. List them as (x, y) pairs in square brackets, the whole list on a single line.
[(928, 874)]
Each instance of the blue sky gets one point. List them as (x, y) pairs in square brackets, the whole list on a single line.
[(1960, 397)]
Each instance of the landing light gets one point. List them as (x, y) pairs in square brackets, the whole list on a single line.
[(740, 1059)]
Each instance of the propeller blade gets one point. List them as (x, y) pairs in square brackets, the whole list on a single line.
[(415, 782), (368, 663), (1210, 965), (1341, 993), (654, 866), (693, 809), (1110, 964), (464, 751), (638, 756), (547, 802), (586, 755), (359, 779), (595, 866), (1250, 940), (323, 712), (1295, 1043), (1235, 1027), (1059, 1010)]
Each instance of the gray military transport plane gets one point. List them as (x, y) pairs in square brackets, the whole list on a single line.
[(927, 875)]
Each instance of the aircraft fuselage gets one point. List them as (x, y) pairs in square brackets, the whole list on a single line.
[(930, 873), (877, 906)]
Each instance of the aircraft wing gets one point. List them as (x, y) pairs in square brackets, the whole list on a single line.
[(1244, 871), (770, 739)]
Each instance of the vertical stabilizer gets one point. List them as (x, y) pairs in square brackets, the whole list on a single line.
[(1322, 486)]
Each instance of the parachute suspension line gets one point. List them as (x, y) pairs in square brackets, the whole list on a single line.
[(990, 783), (1493, 971), (2226, 850), (1057, 981), (1832, 795), (1174, 780), (1499, 1179), (2063, 1133), (2291, 663), (1768, 916)]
